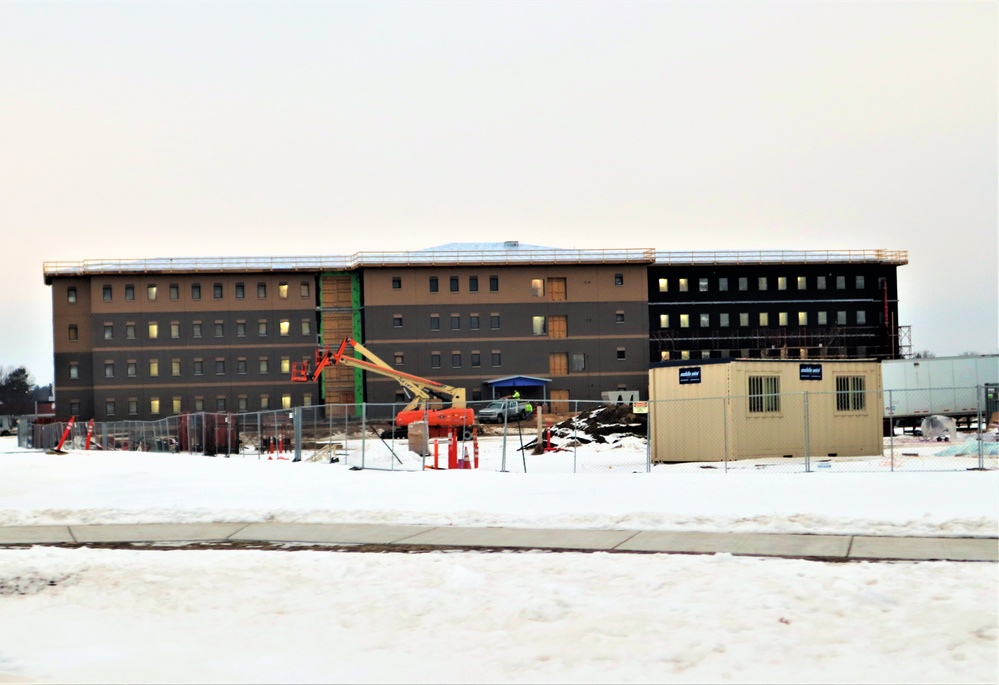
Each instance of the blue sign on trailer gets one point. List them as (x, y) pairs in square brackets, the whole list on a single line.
[(810, 372), (690, 374)]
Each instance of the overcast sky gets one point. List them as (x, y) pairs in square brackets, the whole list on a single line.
[(131, 130)]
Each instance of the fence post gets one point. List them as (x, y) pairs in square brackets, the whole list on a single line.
[(725, 406), (364, 430), (979, 401), (891, 433), (648, 438), (808, 446), (296, 422)]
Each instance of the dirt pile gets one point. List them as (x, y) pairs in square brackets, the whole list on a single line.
[(603, 424)]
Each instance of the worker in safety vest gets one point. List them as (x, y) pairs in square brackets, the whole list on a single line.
[(516, 394), (528, 410)]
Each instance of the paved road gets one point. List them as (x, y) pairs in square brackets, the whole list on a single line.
[(403, 538)]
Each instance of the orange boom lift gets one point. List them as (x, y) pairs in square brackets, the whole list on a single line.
[(456, 421)]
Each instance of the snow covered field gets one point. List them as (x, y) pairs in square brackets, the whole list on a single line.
[(88, 615)]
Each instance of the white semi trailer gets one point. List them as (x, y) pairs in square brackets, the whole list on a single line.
[(947, 386)]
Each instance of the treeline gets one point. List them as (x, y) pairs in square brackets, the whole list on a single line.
[(18, 393)]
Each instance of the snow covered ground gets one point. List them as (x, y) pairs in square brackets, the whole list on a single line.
[(88, 615)]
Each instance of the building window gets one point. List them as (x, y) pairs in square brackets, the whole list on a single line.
[(762, 281), (282, 291), (175, 367), (241, 365), (240, 291), (621, 353), (399, 359), (435, 322), (802, 282), (195, 291), (109, 407), (154, 368), (396, 283), (219, 404), (702, 285), (705, 320), (262, 327), (850, 394), (133, 406), (537, 287), (840, 282), (820, 282), (476, 359), (494, 284), (303, 289), (240, 329), (174, 291), (131, 368), (456, 360), (307, 399), (265, 402), (841, 318), (154, 330), (284, 327), (664, 321), (619, 316), (74, 370), (473, 322), (109, 369), (285, 365), (196, 329), (782, 318), (261, 291), (108, 331), (683, 286), (744, 319), (306, 327), (220, 367), (217, 291), (860, 283), (539, 325), (453, 284), (264, 365), (198, 367), (822, 319), (764, 394), (129, 292), (174, 330), (743, 283), (199, 404), (71, 295), (685, 321), (663, 285), (73, 332), (455, 322), (473, 284), (435, 360), (241, 403), (434, 287), (861, 317), (494, 321), (397, 321), (495, 359), (578, 362), (802, 318), (618, 279), (782, 283), (764, 319), (151, 292), (286, 401), (219, 329), (723, 319), (106, 293)]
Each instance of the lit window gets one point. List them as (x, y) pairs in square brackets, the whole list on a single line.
[(264, 365), (154, 330), (683, 285), (285, 365), (283, 291), (154, 367), (664, 321), (744, 319), (782, 283), (762, 283), (537, 287), (820, 282), (175, 367), (199, 404), (702, 285), (840, 282), (176, 405), (861, 317), (743, 283), (539, 325), (822, 319), (74, 370), (241, 404), (764, 319), (841, 318), (175, 329), (860, 282), (151, 292), (723, 283), (705, 320), (723, 319), (306, 327), (286, 401), (284, 327), (685, 321), (782, 318), (663, 285), (802, 318), (265, 402), (154, 406), (802, 282)]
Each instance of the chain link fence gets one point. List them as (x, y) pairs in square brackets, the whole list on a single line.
[(843, 431)]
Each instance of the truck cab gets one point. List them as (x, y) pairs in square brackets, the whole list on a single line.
[(499, 411)]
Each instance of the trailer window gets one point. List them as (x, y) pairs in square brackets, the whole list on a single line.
[(764, 394), (850, 395)]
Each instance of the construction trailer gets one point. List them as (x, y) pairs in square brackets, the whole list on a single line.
[(944, 386), (715, 410)]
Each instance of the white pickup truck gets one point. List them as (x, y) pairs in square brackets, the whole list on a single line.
[(499, 411)]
